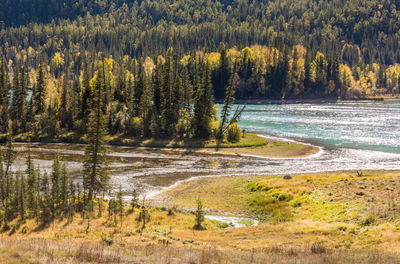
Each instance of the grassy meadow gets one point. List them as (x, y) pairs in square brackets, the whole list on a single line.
[(338, 217)]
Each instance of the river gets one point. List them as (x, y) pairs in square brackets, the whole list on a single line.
[(352, 136)]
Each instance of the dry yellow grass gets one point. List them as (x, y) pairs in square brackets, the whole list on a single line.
[(325, 223), (339, 209)]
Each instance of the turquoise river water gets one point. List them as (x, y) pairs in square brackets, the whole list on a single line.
[(362, 125)]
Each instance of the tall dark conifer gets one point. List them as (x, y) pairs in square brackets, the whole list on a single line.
[(40, 91), (95, 172)]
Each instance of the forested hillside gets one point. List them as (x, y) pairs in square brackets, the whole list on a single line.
[(139, 27), (51, 51)]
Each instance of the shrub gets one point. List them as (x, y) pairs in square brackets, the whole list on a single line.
[(369, 220), (318, 248), (13, 230), (135, 126), (25, 230), (107, 240), (234, 133)]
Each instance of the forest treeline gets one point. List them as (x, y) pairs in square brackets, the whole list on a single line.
[(366, 31), (172, 95)]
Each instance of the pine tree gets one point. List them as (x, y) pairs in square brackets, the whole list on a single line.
[(31, 180), (169, 116), (55, 183), (86, 93), (2, 179), (187, 91), (221, 75), (199, 216), (157, 83), (121, 210), (21, 196), (95, 172), (63, 111), (18, 107), (40, 91), (336, 71), (120, 92), (145, 106), (64, 190), (4, 97), (307, 71), (46, 202), (4, 86), (203, 107), (71, 202), (10, 155)]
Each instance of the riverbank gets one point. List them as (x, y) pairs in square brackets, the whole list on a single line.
[(250, 144), (317, 100)]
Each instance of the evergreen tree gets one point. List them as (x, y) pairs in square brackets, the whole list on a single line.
[(55, 184), (95, 173), (203, 107), (307, 72), (40, 92), (2, 180), (64, 185), (145, 106), (4, 85), (86, 93), (31, 181), (168, 112), (121, 210), (21, 197), (336, 71), (187, 90), (199, 216), (46, 203)]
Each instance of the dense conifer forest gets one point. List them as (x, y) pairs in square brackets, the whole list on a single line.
[(164, 62)]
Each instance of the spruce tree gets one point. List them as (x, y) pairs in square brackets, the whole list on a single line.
[(169, 116), (187, 91), (2, 179), (55, 183), (120, 201), (31, 181), (86, 93), (4, 86), (40, 90), (307, 71), (95, 171), (199, 216), (145, 106), (336, 71), (46, 202), (18, 107), (64, 185), (203, 106), (22, 200)]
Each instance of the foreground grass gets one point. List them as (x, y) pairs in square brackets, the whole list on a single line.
[(71, 251), (312, 218), (339, 210)]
